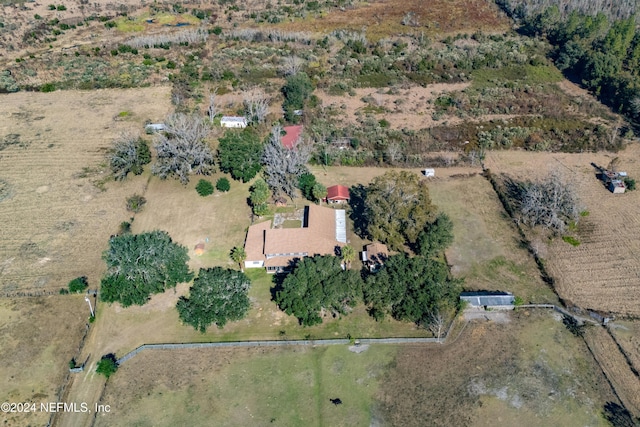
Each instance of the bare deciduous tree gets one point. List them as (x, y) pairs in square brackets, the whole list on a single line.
[(292, 65), (183, 149), (551, 203), (394, 153), (282, 166), (436, 324), (128, 154), (410, 19), (212, 110), (256, 107)]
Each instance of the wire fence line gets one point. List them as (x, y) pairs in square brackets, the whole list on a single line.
[(343, 341), (274, 343)]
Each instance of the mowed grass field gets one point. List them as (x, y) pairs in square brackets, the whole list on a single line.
[(531, 371), (247, 387), (40, 335), (55, 221)]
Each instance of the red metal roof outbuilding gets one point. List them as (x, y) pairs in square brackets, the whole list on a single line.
[(337, 193), (292, 136)]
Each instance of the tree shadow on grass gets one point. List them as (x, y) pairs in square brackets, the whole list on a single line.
[(357, 197), (618, 415)]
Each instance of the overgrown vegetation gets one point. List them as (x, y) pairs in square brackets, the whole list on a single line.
[(283, 167), (551, 203), (600, 48), (136, 203), (239, 154), (397, 207), (416, 289), (183, 149), (129, 153)]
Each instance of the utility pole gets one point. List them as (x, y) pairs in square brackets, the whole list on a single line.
[(86, 298)]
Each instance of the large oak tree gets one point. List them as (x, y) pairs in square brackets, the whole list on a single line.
[(411, 289), (318, 283), (239, 154), (139, 265), (218, 295), (397, 208)]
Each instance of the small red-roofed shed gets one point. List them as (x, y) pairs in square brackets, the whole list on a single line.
[(292, 136), (337, 194)]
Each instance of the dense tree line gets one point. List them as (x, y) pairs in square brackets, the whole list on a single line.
[(613, 10), (602, 54)]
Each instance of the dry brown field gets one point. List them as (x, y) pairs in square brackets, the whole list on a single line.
[(384, 18), (56, 221), (40, 335), (625, 382), (627, 335), (530, 371), (410, 108), (603, 272)]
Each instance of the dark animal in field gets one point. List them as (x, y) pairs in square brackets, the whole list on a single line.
[(336, 401)]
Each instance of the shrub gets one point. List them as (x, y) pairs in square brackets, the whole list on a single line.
[(135, 203), (108, 365), (48, 87), (223, 185), (571, 240), (204, 187), (78, 285), (217, 30), (630, 183), (125, 227), (61, 7), (573, 326)]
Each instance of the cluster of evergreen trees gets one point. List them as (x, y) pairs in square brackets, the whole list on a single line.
[(602, 54)]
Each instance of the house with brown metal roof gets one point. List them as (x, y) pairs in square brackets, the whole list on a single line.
[(275, 248)]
